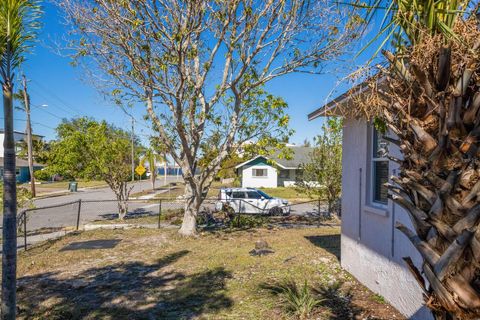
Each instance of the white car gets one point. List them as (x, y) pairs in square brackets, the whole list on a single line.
[(249, 200)]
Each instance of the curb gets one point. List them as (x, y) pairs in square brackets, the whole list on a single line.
[(64, 193)]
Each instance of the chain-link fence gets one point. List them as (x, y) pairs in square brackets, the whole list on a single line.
[(43, 223)]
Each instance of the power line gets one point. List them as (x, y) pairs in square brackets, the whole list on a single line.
[(57, 97), (50, 113), (50, 103), (34, 122)]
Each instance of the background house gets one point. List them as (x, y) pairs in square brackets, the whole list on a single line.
[(272, 172), (371, 247), (17, 136), (23, 173)]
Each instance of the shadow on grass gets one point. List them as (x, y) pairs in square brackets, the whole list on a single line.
[(329, 242), (337, 304), (130, 290)]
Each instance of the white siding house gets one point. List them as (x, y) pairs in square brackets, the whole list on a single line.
[(371, 248), (262, 171), (17, 136)]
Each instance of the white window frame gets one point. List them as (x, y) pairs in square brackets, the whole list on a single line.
[(254, 173), (373, 158)]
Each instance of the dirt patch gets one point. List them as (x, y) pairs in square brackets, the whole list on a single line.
[(156, 274)]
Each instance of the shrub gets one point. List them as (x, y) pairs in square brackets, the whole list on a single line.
[(240, 221), (43, 174)]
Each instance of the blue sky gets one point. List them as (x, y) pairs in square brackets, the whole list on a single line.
[(54, 82)]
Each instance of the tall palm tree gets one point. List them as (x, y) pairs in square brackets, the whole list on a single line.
[(429, 100), (152, 157), (162, 150), (18, 25)]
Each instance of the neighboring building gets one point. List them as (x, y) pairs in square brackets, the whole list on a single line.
[(272, 172), (22, 171), (17, 136), (371, 247)]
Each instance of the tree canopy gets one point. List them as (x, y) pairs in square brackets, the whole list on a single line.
[(199, 67), (322, 176)]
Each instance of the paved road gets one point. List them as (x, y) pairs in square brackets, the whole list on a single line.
[(65, 215)]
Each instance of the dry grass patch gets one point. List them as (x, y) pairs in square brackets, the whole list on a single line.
[(156, 274)]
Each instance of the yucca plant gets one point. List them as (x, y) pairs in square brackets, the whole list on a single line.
[(428, 102), (297, 300), (18, 23)]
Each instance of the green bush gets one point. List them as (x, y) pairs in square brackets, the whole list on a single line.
[(24, 198), (43, 175), (240, 221)]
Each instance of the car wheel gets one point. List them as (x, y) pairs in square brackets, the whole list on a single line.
[(275, 211)]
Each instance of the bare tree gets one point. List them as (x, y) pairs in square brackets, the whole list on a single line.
[(197, 64)]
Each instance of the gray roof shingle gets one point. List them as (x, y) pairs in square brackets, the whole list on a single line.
[(300, 155)]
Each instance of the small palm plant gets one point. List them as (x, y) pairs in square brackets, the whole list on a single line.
[(429, 100), (18, 26), (297, 300)]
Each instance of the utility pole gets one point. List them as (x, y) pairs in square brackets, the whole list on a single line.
[(133, 151), (28, 130)]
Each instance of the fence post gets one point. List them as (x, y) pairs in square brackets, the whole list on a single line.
[(25, 229), (159, 212), (78, 212)]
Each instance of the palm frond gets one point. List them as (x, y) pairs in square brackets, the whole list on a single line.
[(19, 24), (410, 19)]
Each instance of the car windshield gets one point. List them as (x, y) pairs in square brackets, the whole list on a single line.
[(263, 194)]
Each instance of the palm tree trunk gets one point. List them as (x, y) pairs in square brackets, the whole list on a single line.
[(165, 168), (433, 115), (9, 254)]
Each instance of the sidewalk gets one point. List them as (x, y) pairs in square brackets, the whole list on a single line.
[(36, 239)]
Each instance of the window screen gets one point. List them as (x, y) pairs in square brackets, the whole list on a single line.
[(284, 174), (379, 168), (259, 172)]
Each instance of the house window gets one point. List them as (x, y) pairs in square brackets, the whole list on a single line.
[(259, 173), (284, 174), (17, 172), (379, 169)]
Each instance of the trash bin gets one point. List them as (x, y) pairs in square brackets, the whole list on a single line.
[(72, 186)]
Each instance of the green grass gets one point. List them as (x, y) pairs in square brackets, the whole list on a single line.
[(160, 275), (378, 298), (64, 184), (288, 193)]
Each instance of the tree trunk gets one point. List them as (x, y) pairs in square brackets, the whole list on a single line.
[(193, 201), (9, 253), (122, 209), (153, 176), (165, 168)]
